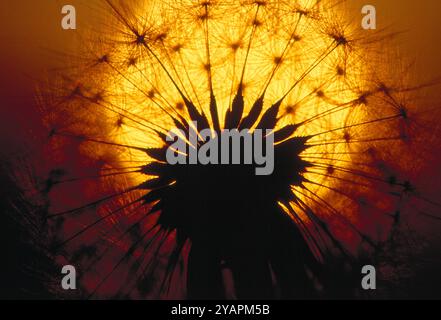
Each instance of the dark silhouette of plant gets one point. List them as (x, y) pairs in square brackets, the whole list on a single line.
[(138, 227)]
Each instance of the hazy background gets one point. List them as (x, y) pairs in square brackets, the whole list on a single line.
[(419, 22)]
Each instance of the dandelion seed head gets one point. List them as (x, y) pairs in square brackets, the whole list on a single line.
[(297, 65)]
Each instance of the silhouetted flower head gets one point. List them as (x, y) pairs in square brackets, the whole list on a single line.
[(140, 227)]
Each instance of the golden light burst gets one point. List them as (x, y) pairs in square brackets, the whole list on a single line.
[(277, 48)]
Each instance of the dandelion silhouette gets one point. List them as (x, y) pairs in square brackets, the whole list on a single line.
[(139, 227)]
